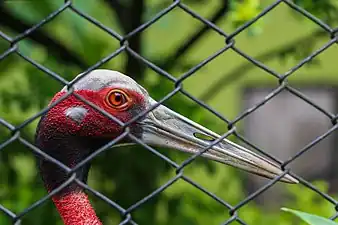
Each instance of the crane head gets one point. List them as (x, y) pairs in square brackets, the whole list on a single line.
[(124, 99)]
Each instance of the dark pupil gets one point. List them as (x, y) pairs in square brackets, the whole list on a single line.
[(118, 98)]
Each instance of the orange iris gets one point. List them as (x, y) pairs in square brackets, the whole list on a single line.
[(118, 99)]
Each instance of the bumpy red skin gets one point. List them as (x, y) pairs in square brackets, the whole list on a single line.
[(75, 209), (74, 206)]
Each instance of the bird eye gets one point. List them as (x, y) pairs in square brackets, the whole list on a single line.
[(118, 99)]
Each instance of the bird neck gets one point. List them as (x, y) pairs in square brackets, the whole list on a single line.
[(75, 209), (71, 202)]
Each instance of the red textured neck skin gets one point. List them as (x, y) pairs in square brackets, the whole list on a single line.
[(75, 209)]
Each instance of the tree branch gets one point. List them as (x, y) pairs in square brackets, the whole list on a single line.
[(240, 70), (119, 9), (60, 51), (134, 67), (130, 17)]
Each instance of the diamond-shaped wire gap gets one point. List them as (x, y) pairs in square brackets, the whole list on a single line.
[(96, 23), (152, 21), (282, 39), (98, 64), (246, 25), (207, 192), (210, 195), (200, 18), (181, 195), (207, 10), (220, 95), (78, 41), (102, 15), (256, 62), (286, 124), (259, 104), (158, 53), (43, 69), (205, 106), (150, 64), (203, 63), (41, 23), (153, 194), (310, 57)]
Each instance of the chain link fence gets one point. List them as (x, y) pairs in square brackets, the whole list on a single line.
[(229, 43)]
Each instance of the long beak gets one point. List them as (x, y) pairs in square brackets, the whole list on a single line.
[(166, 128)]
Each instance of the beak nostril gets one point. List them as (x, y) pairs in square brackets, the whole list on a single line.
[(204, 137)]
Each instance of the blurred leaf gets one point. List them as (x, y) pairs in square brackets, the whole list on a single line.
[(310, 218)]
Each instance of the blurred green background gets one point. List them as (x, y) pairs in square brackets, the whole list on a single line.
[(70, 44)]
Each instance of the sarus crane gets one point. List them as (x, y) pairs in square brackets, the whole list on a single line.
[(72, 130)]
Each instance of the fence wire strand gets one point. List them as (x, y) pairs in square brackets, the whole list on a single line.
[(229, 44)]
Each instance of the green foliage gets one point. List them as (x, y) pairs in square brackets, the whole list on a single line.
[(310, 218), (128, 174)]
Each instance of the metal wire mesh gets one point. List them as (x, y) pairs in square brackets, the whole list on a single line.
[(229, 43)]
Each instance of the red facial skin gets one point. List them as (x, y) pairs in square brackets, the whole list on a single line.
[(95, 124), (73, 205)]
